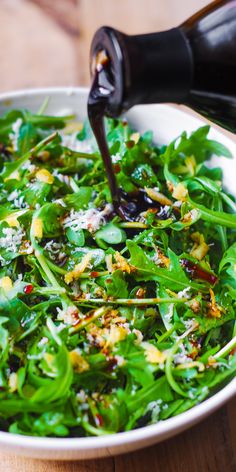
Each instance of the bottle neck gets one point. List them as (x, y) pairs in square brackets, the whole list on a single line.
[(147, 68), (158, 68)]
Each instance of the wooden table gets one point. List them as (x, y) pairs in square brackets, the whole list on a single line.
[(46, 42)]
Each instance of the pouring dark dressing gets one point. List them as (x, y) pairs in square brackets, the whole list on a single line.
[(100, 91), (128, 207)]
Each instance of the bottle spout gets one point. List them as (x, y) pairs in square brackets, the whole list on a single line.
[(107, 69)]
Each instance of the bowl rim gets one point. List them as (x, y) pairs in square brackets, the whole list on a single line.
[(166, 428), (163, 429)]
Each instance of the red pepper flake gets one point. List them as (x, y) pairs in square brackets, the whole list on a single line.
[(108, 281), (99, 420), (94, 274), (116, 168), (130, 144), (28, 289), (197, 272)]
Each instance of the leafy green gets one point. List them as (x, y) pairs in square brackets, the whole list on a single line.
[(197, 145), (50, 214), (75, 237), (174, 276), (111, 234), (218, 217), (80, 199), (108, 325), (117, 287), (27, 138)]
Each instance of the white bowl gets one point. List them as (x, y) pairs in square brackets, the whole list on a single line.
[(167, 123)]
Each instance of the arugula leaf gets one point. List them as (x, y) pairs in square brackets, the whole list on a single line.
[(174, 277), (144, 176), (197, 145), (135, 365), (28, 137), (59, 387), (229, 258), (6, 122), (218, 217), (159, 390), (80, 199), (228, 264), (117, 287)]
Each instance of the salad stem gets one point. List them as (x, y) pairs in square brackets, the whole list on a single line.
[(133, 301), (89, 318), (226, 349), (133, 225)]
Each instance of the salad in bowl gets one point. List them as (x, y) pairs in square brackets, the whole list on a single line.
[(107, 325)]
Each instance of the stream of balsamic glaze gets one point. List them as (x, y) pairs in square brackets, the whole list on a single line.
[(127, 206), (100, 91)]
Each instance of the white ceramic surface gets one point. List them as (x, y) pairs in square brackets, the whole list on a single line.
[(167, 123)]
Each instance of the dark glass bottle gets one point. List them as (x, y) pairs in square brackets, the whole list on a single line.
[(194, 64)]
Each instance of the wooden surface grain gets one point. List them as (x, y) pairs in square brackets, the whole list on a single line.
[(46, 42)]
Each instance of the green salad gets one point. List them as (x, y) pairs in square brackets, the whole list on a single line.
[(109, 325)]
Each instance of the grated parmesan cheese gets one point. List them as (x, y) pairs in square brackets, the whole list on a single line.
[(185, 293), (55, 250), (81, 396), (12, 239), (115, 158), (43, 341), (115, 334), (181, 357), (155, 408), (139, 336), (120, 361), (69, 315), (18, 202), (91, 219), (170, 313)]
